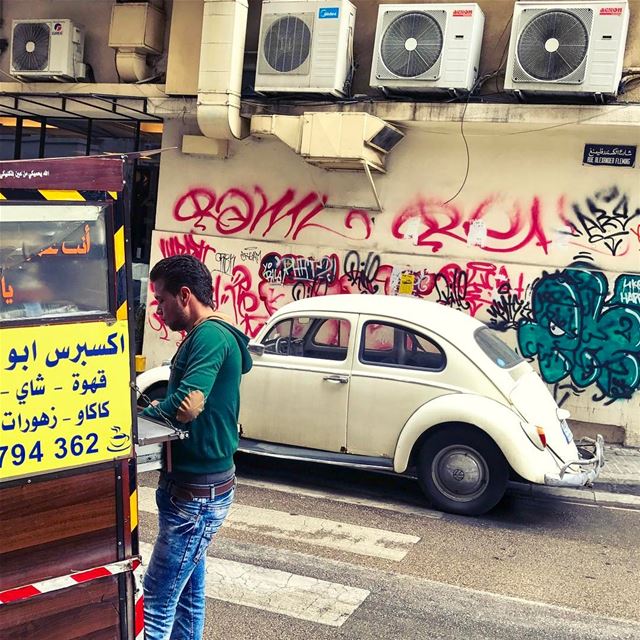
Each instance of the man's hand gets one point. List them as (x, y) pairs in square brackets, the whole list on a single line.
[(191, 407)]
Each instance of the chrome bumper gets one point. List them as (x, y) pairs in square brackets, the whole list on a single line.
[(581, 472)]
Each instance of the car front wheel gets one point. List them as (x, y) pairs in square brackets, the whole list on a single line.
[(462, 470), (156, 392)]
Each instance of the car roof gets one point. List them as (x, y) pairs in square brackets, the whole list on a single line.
[(437, 317)]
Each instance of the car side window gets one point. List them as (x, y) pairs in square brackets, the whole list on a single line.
[(304, 337), (389, 344)]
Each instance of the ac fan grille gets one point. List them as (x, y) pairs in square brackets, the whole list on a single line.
[(553, 45), (411, 44), (30, 46), (287, 44)]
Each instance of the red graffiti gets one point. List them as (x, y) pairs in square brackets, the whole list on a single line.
[(244, 302), (430, 222), (636, 232), (188, 245), (475, 285), (290, 268), (284, 278), (238, 211)]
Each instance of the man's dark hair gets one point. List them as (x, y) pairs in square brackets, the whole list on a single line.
[(184, 271)]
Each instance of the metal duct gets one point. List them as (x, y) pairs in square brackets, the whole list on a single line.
[(221, 61)]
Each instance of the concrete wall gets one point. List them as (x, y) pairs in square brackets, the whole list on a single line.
[(509, 249), (506, 250), (182, 78), (184, 23)]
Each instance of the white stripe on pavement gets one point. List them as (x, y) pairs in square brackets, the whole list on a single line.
[(387, 505), (353, 538), (280, 592)]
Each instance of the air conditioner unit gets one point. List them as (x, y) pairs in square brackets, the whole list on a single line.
[(306, 46), (567, 47), (427, 47), (47, 50)]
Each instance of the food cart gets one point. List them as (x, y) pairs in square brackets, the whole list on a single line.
[(69, 564)]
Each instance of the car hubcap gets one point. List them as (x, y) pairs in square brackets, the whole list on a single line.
[(460, 473)]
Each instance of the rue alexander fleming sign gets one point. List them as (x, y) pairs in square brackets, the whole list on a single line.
[(610, 155)]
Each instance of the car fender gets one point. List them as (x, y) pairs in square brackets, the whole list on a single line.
[(151, 377), (498, 421)]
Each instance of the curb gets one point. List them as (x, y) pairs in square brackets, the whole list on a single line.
[(602, 495)]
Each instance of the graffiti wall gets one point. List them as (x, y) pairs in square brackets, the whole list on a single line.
[(553, 263)]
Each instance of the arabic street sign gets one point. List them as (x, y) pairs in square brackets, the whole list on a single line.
[(83, 173), (609, 155)]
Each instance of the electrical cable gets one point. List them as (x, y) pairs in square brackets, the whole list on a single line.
[(573, 122), (504, 51), (466, 146)]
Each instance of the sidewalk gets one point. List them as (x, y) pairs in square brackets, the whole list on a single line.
[(621, 472), (618, 484)]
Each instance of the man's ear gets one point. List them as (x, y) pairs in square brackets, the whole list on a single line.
[(184, 295)]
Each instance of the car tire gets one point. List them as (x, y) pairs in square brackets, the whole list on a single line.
[(461, 470), (156, 392)]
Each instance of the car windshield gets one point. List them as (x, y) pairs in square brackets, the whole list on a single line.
[(498, 351)]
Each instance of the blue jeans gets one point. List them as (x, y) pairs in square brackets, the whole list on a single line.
[(174, 599)]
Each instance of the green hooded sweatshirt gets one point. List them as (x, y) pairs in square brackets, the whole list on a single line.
[(211, 359)]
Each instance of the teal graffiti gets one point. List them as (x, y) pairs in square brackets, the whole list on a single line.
[(577, 332)]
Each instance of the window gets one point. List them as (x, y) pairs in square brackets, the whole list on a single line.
[(31, 139), (304, 337), (7, 138), (498, 351), (109, 136), (53, 261), (150, 135), (65, 137), (395, 346)]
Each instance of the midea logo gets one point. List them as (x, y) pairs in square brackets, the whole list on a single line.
[(329, 12)]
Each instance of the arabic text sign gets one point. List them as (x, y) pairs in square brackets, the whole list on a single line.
[(90, 173), (608, 155), (64, 397)]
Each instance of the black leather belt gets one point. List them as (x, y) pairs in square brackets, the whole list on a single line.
[(183, 491)]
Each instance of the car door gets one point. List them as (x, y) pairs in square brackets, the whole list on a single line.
[(396, 369), (298, 390)]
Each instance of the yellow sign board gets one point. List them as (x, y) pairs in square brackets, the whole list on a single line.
[(64, 397), (407, 282)]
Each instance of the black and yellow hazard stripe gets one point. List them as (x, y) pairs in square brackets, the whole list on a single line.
[(72, 195), (57, 195), (133, 507)]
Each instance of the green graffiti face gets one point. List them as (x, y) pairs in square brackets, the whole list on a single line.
[(576, 332)]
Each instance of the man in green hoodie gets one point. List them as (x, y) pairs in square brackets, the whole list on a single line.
[(195, 496)]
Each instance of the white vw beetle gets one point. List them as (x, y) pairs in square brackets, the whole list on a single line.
[(400, 384)]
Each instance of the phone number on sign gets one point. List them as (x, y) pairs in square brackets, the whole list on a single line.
[(75, 446)]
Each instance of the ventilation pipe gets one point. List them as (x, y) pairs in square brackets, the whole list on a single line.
[(224, 28), (136, 29)]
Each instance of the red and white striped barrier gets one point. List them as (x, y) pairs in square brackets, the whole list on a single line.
[(138, 616), (55, 584)]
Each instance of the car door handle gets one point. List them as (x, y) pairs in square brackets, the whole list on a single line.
[(336, 379)]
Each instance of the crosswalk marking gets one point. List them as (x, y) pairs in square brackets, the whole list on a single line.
[(327, 603), (387, 505), (365, 541)]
